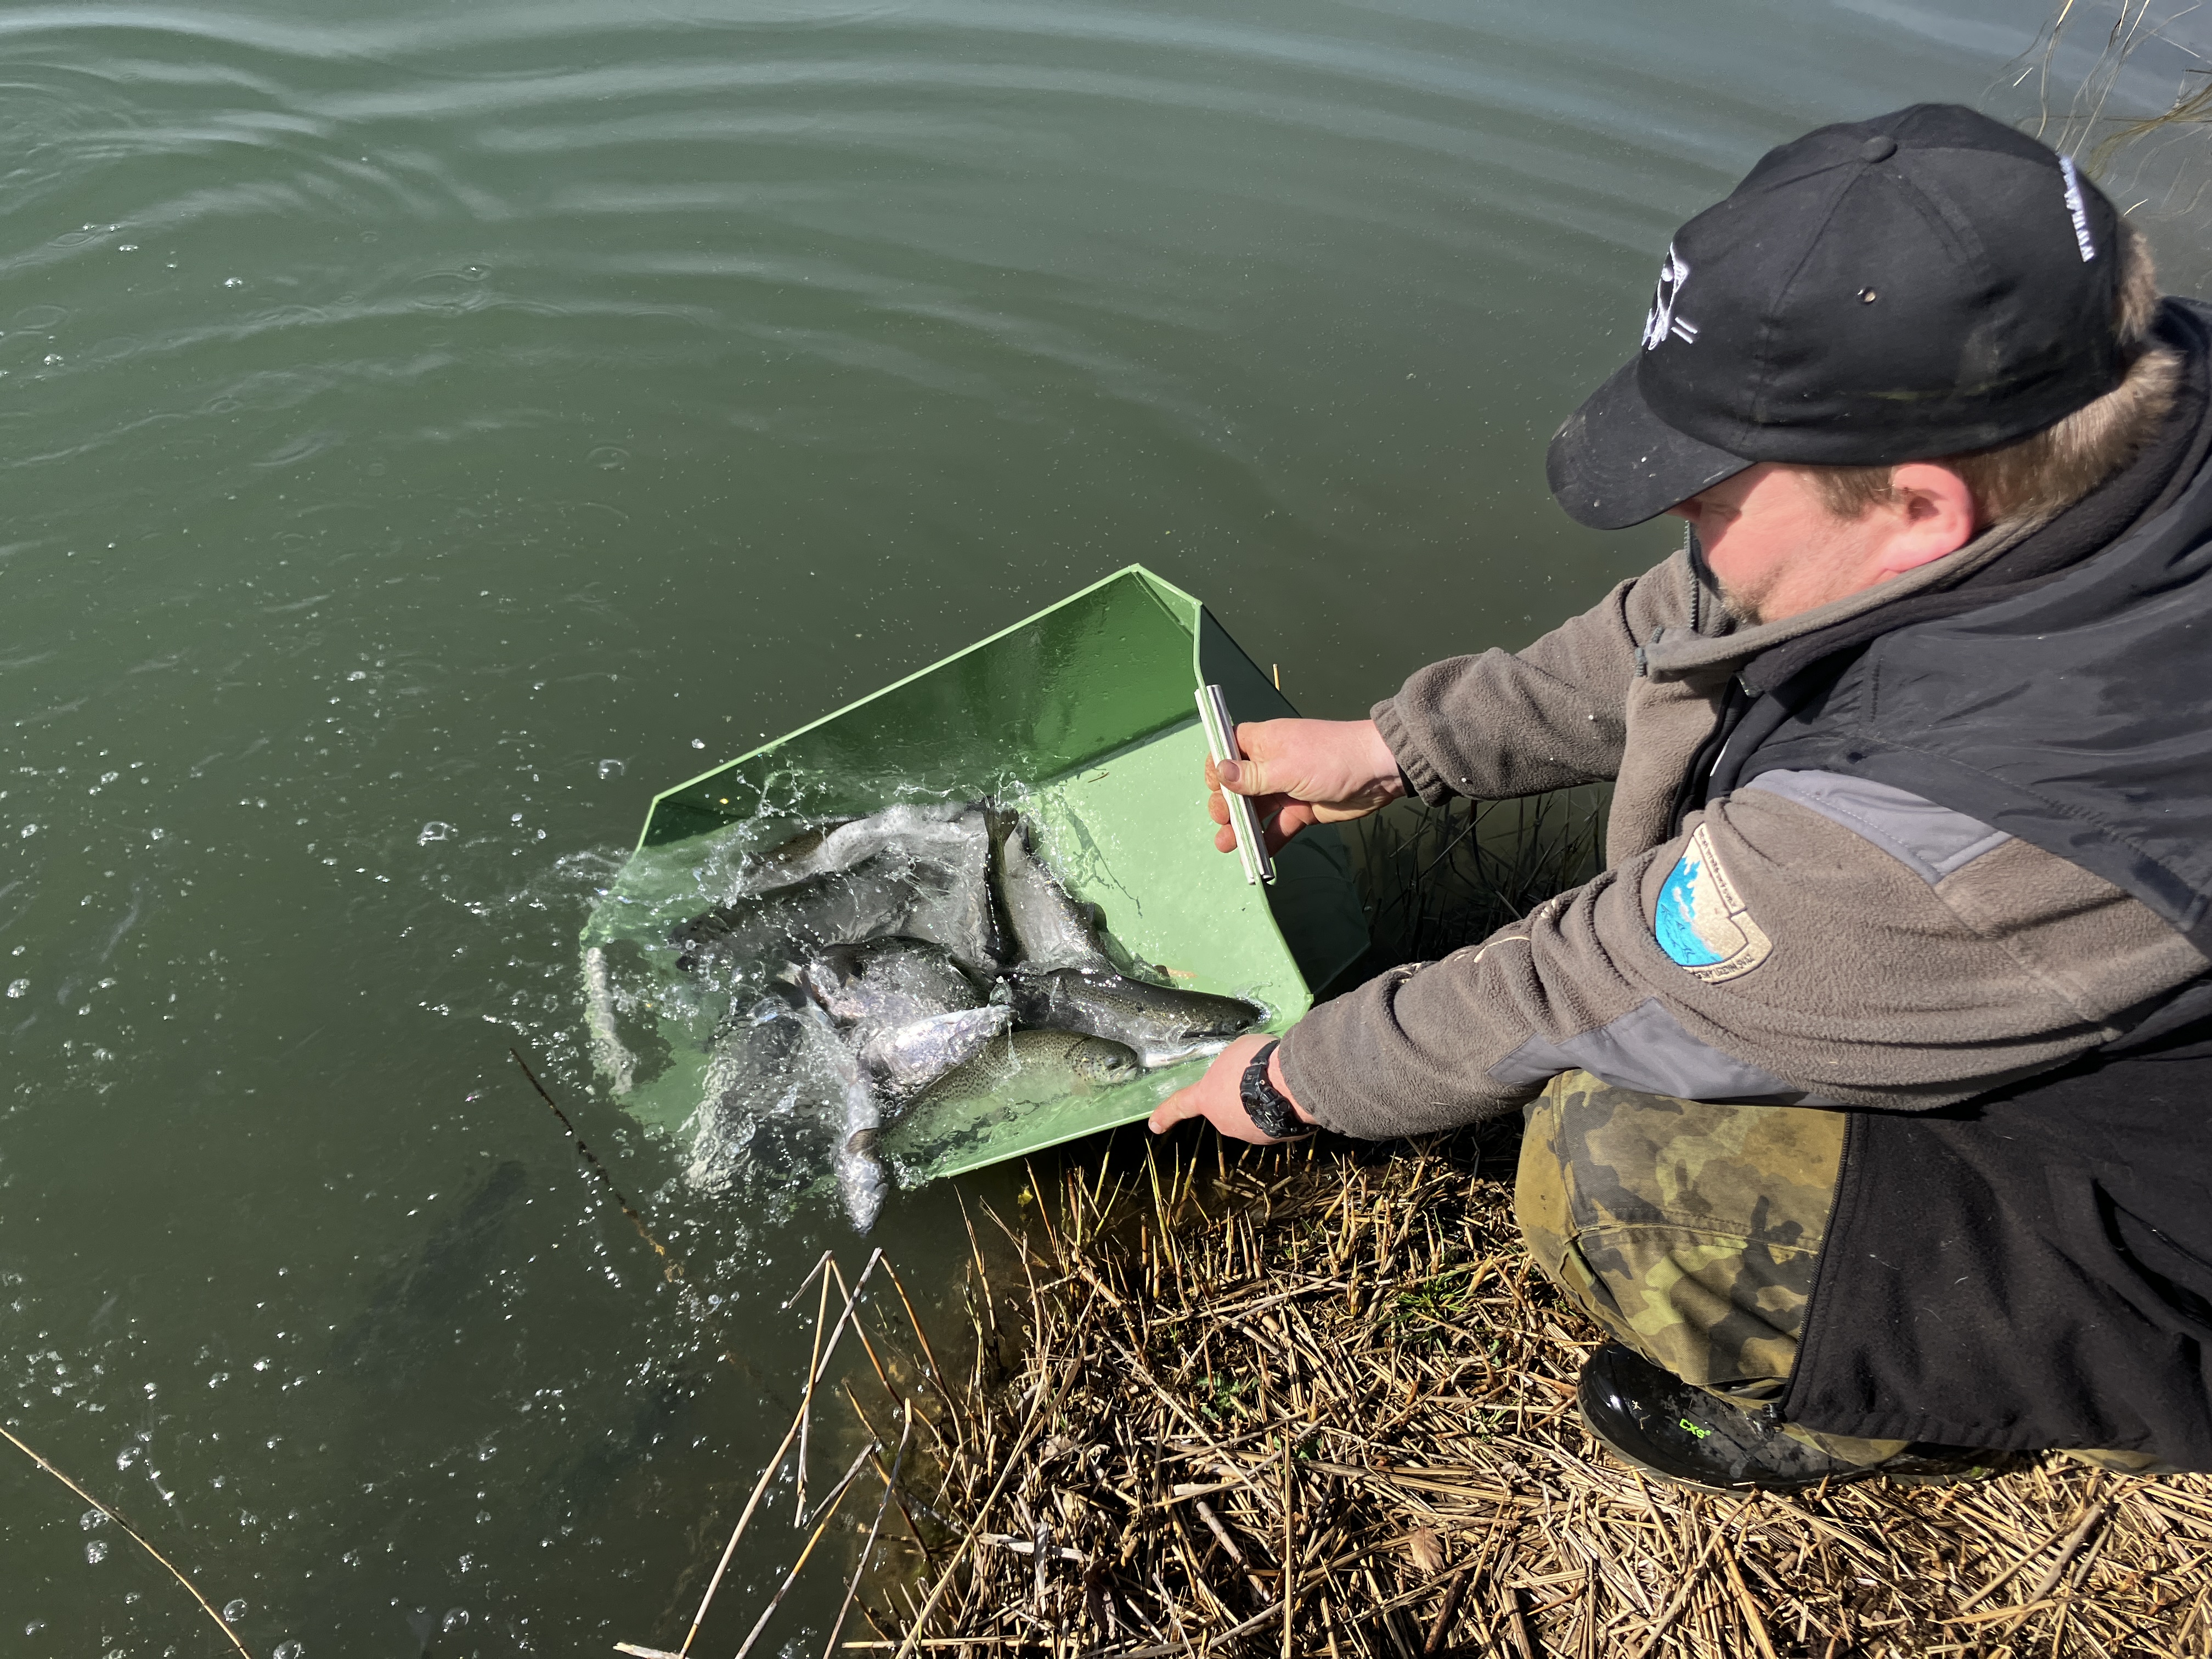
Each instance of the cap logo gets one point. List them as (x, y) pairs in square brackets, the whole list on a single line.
[(2077, 210), (1674, 272)]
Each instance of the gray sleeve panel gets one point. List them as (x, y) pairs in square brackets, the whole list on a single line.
[(1647, 1048), (1930, 841)]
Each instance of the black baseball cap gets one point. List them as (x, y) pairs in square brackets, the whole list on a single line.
[(1924, 285)]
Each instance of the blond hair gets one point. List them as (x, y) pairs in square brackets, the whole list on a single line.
[(2033, 477)]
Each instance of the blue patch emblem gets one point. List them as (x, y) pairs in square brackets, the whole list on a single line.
[(1701, 923)]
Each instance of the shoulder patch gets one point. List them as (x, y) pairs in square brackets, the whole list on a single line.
[(1701, 923)]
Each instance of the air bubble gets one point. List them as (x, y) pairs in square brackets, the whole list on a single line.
[(611, 769), (95, 1551), (433, 831), (456, 1617), (290, 1650), (234, 1611), (17, 987)]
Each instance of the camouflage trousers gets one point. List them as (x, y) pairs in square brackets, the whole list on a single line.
[(1691, 1231)]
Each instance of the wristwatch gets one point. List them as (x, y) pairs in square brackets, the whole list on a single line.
[(1268, 1107)]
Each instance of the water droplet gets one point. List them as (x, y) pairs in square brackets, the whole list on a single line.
[(90, 1519), (234, 1611), (433, 831), (96, 1551), (698, 742), (17, 987), (290, 1650), (234, 281), (29, 830), (611, 769), (456, 1617)]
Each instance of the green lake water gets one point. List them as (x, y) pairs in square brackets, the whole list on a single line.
[(426, 429)]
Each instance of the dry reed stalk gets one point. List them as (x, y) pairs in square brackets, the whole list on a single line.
[(135, 1537)]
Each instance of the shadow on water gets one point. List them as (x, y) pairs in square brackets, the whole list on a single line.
[(430, 1301)]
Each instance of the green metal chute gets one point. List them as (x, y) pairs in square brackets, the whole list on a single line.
[(1083, 717)]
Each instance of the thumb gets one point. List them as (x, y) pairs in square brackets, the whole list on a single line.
[(1245, 777)]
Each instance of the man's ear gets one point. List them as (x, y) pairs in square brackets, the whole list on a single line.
[(1933, 515)]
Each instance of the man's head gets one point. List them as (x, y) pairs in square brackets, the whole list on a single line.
[(1892, 332)]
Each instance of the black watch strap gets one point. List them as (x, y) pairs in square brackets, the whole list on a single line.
[(1268, 1107)]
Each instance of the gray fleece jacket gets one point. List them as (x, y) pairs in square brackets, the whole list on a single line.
[(1810, 937)]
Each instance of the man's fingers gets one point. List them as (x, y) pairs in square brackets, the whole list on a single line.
[(1183, 1103), (1287, 822)]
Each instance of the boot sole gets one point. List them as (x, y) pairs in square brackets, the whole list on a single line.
[(1837, 1478)]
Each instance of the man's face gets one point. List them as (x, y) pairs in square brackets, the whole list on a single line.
[(1777, 550), (1771, 542)]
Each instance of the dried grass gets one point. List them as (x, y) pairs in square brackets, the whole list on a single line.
[(1316, 1403), (1433, 878)]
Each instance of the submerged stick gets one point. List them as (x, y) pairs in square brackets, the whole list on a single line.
[(137, 1537), (672, 1268)]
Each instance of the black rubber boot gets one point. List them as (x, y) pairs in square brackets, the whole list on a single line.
[(1654, 1420)]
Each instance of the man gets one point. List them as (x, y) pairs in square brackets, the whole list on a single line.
[(1867, 1088)]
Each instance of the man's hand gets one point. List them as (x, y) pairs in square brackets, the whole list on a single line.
[(1218, 1095), (1303, 772)]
